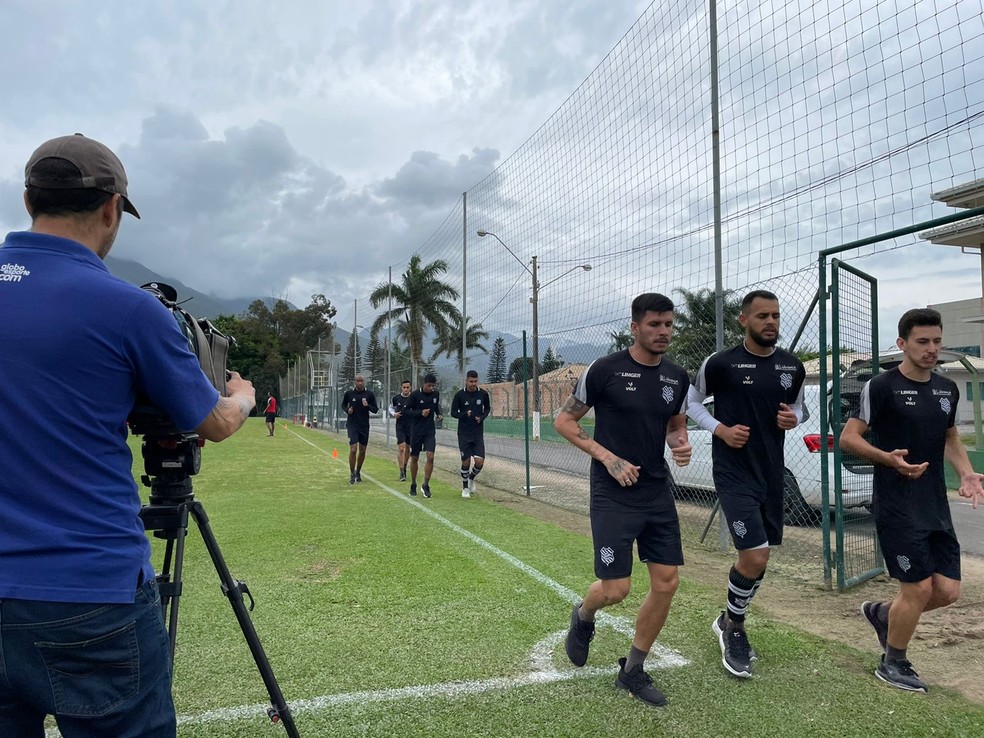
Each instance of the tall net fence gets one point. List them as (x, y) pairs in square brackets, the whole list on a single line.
[(838, 119)]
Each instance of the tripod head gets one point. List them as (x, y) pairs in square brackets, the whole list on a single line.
[(171, 457)]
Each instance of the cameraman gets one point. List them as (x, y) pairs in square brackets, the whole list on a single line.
[(81, 630)]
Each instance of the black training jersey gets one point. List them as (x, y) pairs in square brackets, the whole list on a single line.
[(399, 405), (905, 414), (747, 390), (353, 399), (471, 408), (416, 404), (633, 403)]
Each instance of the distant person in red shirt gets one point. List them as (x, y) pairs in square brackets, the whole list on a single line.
[(271, 413)]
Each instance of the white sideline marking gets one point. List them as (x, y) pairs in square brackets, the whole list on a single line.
[(617, 622), (542, 669)]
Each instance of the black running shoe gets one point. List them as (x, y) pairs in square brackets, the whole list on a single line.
[(403, 476), (579, 638), (870, 612), (358, 476), (351, 479), (427, 491), (639, 684), (413, 490), (900, 674), (735, 656)]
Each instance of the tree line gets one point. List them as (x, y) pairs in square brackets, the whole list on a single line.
[(421, 311)]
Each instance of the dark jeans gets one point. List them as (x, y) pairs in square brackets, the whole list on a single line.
[(101, 670)]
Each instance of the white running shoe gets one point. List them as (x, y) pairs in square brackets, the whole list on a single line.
[(465, 493)]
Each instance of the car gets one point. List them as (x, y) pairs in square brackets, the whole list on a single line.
[(803, 489)]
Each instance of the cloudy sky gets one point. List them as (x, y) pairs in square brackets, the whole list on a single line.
[(287, 148)]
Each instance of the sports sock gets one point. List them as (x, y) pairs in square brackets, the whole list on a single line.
[(464, 478), (740, 591), (635, 657), (895, 654), (475, 471), (584, 615)]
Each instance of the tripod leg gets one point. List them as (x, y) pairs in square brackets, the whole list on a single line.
[(233, 589)]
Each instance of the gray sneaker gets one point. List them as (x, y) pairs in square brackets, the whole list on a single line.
[(639, 684), (579, 638), (735, 656), (870, 612), (900, 674)]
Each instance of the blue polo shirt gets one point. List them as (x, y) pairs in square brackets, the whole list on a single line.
[(76, 346)]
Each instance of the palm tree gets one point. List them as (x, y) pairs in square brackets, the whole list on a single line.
[(694, 326), (421, 299), (449, 342), (621, 339)]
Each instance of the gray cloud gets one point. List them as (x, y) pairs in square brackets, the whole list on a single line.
[(430, 181)]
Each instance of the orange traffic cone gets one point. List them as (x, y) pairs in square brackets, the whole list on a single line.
[(334, 453)]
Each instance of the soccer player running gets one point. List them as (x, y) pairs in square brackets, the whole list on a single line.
[(397, 407), (423, 406), (358, 403), (471, 406), (758, 396), (911, 412), (271, 414), (639, 399)]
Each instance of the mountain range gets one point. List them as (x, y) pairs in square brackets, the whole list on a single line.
[(197, 303), (208, 306)]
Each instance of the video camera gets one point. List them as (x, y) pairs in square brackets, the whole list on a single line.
[(169, 453)]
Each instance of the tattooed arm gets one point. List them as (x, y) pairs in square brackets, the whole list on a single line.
[(568, 426), (230, 412)]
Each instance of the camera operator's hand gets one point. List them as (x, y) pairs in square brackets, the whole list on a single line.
[(230, 412)]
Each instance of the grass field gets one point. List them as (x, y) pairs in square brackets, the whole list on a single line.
[(384, 615)]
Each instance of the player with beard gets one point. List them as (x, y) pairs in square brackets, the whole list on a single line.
[(911, 412), (358, 403), (397, 408), (471, 406), (758, 396), (639, 399)]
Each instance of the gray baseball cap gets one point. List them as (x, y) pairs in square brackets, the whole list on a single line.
[(99, 168)]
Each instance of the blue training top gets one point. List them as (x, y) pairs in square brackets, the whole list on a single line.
[(76, 346)]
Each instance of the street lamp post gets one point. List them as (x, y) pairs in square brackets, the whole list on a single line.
[(534, 301)]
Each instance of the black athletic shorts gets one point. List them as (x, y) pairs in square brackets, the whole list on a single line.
[(402, 432), (426, 441), (471, 446), (754, 519), (358, 435), (271, 417), (654, 526), (914, 555)]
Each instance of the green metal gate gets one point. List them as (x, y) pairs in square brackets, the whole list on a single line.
[(854, 361)]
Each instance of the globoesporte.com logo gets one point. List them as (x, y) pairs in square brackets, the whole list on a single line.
[(13, 273)]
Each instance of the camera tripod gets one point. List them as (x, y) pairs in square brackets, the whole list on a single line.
[(172, 501)]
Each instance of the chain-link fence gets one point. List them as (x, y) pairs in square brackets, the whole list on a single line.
[(837, 121)]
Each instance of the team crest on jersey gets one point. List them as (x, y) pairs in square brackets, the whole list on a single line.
[(945, 404), (740, 529), (904, 562), (785, 380), (607, 555), (667, 395)]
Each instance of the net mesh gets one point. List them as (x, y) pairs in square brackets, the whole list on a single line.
[(838, 119)]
